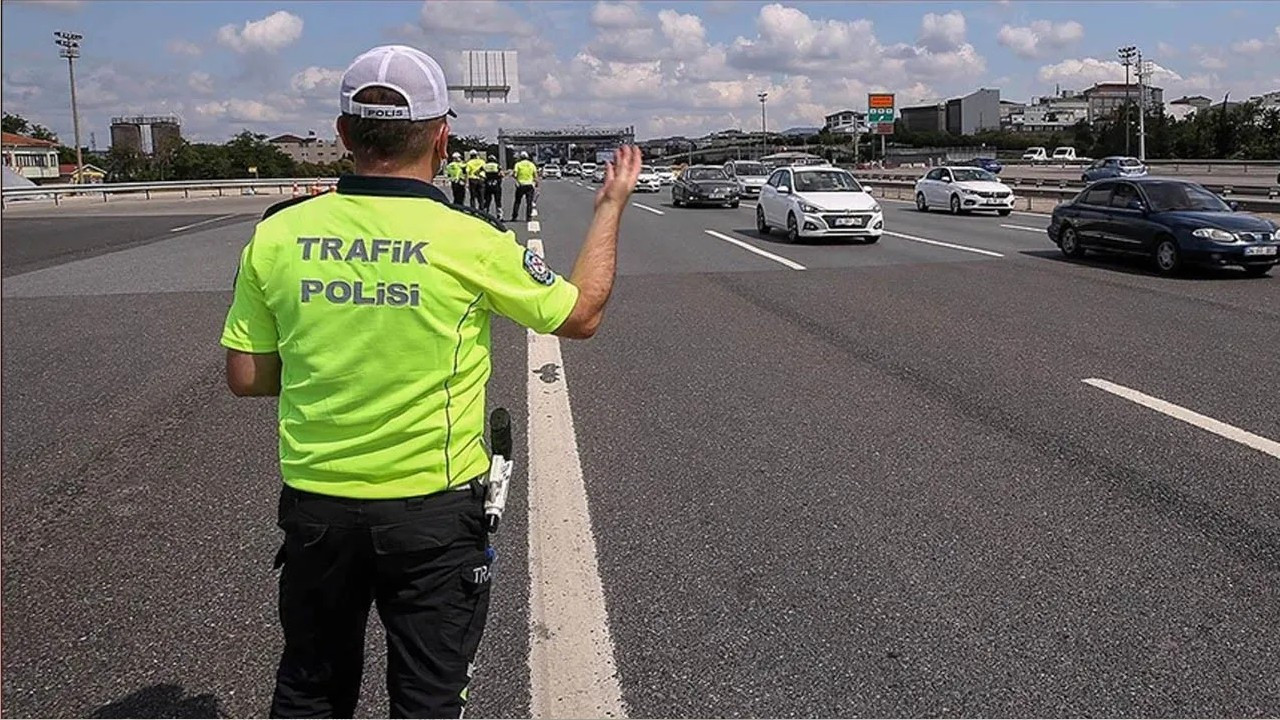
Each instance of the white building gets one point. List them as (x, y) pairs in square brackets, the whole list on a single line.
[(35, 160), (1269, 101), (1049, 114), (310, 149), (1186, 106), (846, 121)]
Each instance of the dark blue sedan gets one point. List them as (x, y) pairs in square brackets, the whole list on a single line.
[(991, 165), (1174, 222)]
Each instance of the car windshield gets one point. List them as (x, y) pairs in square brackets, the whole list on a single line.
[(970, 174), (1167, 196), (750, 169), (705, 174), (663, 169), (646, 170), (826, 181)]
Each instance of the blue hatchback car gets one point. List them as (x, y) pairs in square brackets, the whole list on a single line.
[(1174, 222)]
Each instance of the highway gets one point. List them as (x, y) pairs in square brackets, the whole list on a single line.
[(822, 480)]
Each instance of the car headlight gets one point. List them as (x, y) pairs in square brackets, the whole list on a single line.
[(1215, 235), (875, 208), (806, 207)]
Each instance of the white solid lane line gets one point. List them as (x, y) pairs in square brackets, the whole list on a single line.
[(1204, 422), (202, 222), (939, 243), (752, 248), (653, 210), (1022, 227), (572, 673)]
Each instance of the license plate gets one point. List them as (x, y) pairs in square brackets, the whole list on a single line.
[(717, 193), (995, 202), (850, 222), (1263, 250)]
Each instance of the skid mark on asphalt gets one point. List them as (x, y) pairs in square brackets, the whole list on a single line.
[(1204, 422), (572, 673)]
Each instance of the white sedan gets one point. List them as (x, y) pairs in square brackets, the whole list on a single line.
[(818, 202), (666, 175), (962, 189), (648, 180)]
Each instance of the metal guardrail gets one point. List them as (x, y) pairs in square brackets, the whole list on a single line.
[(1060, 192), (1235, 190), (1242, 167), (186, 187)]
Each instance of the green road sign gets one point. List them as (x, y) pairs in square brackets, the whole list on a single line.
[(879, 115)]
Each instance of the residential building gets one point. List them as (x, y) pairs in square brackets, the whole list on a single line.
[(310, 149), (35, 160), (1050, 113), (931, 117), (846, 121), (973, 113), (1009, 108), (1186, 106), (89, 172), (1268, 101), (1105, 98)]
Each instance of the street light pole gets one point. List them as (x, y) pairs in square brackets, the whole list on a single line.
[(1144, 69), (763, 128), (70, 44), (1127, 55)]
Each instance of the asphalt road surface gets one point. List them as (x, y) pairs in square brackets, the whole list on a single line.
[(816, 480)]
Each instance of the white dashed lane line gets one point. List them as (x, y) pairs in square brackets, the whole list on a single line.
[(939, 243), (1022, 227), (1204, 422), (753, 249), (202, 222), (653, 210)]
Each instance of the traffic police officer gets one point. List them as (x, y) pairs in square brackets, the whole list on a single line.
[(526, 179), (475, 180), (367, 312), (493, 186), (454, 171)]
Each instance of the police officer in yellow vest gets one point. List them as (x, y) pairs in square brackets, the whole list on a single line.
[(367, 312), (475, 180), (493, 187), (454, 171), (526, 180)]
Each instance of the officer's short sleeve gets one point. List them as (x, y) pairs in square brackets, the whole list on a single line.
[(518, 284), (250, 325)]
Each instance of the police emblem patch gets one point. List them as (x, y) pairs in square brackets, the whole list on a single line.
[(537, 269)]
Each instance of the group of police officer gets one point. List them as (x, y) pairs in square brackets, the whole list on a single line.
[(478, 183)]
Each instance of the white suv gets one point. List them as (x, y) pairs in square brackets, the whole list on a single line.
[(648, 180), (818, 201), (962, 189)]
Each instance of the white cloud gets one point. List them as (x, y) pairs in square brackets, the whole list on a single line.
[(1092, 70), (201, 82), (1212, 62), (618, 16), (685, 33), (472, 18), (317, 81), (178, 46), (238, 110), (1252, 46), (942, 33), (1032, 40), (272, 33), (1166, 50)]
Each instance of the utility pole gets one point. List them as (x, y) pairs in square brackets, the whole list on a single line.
[(1144, 69), (70, 44), (1127, 54), (763, 128)]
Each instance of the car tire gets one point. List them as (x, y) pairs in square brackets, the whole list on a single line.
[(793, 229), (1168, 256), (734, 204), (955, 204), (922, 205), (762, 226), (1069, 243), (675, 200), (1084, 179), (871, 240), (1257, 271), (1004, 213)]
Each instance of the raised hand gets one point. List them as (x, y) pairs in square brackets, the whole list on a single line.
[(620, 176)]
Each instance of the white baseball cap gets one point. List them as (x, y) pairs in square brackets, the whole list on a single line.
[(410, 72)]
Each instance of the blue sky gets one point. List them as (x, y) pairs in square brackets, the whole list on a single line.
[(665, 67)]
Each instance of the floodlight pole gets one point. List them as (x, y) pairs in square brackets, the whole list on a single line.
[(763, 128), (1127, 54), (70, 44)]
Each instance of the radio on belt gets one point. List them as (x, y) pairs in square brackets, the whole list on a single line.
[(495, 497)]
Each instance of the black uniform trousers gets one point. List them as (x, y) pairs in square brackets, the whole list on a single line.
[(423, 562), (493, 197), (475, 193), (525, 192), (459, 192)]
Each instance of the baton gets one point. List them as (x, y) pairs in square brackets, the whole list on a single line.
[(495, 499)]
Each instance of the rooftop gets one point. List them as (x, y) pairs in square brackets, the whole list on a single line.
[(16, 140)]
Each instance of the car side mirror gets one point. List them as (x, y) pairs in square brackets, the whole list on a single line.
[(1233, 205), (867, 189), (784, 190), (946, 180), (1136, 205)]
